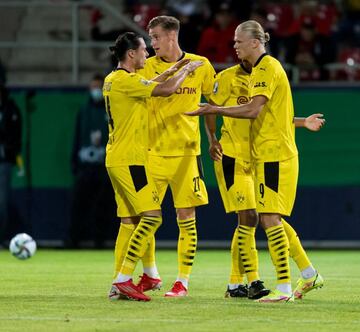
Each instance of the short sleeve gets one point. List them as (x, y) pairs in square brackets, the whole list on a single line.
[(221, 89), (208, 84)]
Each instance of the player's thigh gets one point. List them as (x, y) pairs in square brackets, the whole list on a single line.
[(124, 207), (275, 186), (159, 170), (135, 189), (187, 182), (235, 179)]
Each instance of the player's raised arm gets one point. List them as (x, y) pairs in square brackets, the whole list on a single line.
[(314, 122), (171, 71), (168, 87)]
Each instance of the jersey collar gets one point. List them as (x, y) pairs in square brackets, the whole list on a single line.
[(258, 60), (181, 57), (244, 69), (119, 68)]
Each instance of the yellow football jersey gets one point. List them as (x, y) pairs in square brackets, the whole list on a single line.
[(273, 131), (125, 97), (171, 133), (230, 89)]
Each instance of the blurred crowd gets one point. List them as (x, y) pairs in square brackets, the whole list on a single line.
[(319, 38)]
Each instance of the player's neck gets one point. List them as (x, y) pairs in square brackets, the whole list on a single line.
[(126, 66), (253, 59), (174, 54)]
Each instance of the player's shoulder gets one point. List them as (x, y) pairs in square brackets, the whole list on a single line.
[(116, 75), (153, 61), (229, 72), (267, 62), (109, 77), (121, 77), (195, 57)]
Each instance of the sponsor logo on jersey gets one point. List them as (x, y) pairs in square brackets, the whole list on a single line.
[(260, 85), (186, 91), (242, 100)]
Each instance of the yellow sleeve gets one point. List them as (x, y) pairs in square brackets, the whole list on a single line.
[(221, 89), (208, 84)]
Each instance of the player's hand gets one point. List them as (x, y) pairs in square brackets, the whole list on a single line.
[(178, 65), (314, 122), (215, 151), (204, 109), (191, 66)]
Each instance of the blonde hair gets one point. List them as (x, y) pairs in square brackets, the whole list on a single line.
[(168, 23), (255, 30)]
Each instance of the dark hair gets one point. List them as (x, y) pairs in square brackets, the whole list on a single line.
[(168, 23), (126, 41)]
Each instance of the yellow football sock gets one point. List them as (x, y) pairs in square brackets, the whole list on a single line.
[(279, 250), (148, 259), (139, 242), (122, 242), (237, 273), (186, 246), (297, 252), (248, 252)]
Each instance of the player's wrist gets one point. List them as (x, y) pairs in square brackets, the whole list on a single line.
[(186, 71), (217, 110), (167, 73), (304, 122)]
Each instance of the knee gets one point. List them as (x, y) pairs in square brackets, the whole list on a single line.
[(152, 213), (185, 213), (248, 218), (130, 220), (156, 214), (268, 220)]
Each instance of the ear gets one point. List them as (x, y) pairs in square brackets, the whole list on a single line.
[(173, 35), (131, 54), (255, 43)]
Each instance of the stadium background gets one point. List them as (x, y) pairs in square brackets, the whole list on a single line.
[(326, 213)]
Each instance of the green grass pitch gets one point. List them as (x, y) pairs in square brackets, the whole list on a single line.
[(67, 291)]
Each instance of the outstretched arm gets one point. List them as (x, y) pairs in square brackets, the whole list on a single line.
[(171, 71), (247, 111), (313, 122)]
